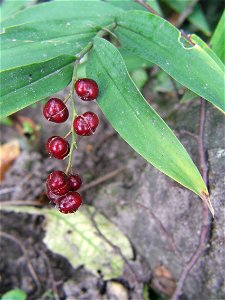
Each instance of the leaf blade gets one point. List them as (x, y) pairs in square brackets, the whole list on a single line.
[(70, 10), (26, 85), (162, 44), (78, 233), (137, 123), (217, 40)]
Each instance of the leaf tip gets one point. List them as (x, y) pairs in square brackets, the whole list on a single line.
[(205, 198)]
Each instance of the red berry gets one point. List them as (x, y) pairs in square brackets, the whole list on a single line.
[(86, 124), (57, 147), (75, 182), (55, 111), (86, 89), (52, 197), (58, 183), (69, 203)]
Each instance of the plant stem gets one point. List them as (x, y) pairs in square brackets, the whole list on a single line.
[(71, 95), (84, 51), (149, 8), (73, 142), (186, 13), (205, 216), (78, 57)]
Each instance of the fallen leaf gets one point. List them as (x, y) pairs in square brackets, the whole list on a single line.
[(163, 281), (8, 153), (75, 237)]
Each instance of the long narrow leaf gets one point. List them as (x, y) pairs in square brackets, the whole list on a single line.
[(156, 40), (26, 85), (134, 119), (70, 10), (218, 40)]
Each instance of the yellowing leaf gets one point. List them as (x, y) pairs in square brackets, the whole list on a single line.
[(8, 153), (75, 237)]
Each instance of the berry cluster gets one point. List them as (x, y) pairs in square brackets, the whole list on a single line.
[(61, 187)]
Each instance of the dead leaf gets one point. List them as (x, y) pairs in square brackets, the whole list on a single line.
[(163, 281), (8, 153)]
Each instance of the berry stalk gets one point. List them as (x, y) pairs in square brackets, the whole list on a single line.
[(73, 142)]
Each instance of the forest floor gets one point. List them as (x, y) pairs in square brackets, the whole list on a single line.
[(159, 219)]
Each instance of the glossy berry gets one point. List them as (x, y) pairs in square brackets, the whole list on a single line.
[(58, 183), (75, 182), (69, 203), (52, 197), (86, 89), (86, 124), (57, 147), (55, 111)]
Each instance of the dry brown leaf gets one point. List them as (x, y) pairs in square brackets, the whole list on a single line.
[(163, 281), (8, 153)]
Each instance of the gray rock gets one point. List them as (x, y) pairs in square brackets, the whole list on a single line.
[(163, 220)]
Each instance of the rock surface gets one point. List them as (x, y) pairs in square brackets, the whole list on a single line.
[(163, 220)]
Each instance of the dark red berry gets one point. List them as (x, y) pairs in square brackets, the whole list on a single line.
[(52, 197), (86, 89), (57, 147), (69, 203), (86, 124), (55, 111), (58, 183), (75, 182)]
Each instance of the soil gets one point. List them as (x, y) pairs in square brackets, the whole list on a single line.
[(161, 219)]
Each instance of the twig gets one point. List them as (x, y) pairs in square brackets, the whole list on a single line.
[(161, 227), (68, 134), (205, 225), (191, 134), (102, 179), (51, 276), (201, 147), (24, 251), (115, 247), (84, 188), (147, 6), (185, 14), (21, 203)]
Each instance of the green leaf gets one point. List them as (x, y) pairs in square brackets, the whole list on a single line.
[(155, 5), (8, 8), (197, 40), (66, 30), (6, 121), (197, 17), (95, 11), (134, 62), (156, 40), (217, 41), (75, 237), (131, 5), (31, 43), (140, 77), (188, 96), (16, 294), (134, 119), (28, 84)]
